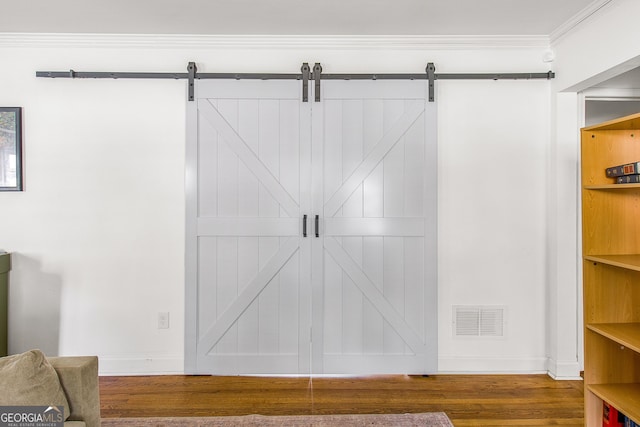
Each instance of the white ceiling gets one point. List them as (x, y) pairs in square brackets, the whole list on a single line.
[(292, 17)]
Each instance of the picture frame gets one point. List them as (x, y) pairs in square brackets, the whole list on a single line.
[(11, 178)]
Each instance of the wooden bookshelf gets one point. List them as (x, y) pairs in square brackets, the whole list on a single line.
[(611, 262)]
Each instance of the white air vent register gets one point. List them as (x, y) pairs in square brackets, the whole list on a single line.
[(479, 321)]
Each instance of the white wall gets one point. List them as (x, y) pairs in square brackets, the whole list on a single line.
[(493, 141), (600, 47), (604, 45), (98, 235)]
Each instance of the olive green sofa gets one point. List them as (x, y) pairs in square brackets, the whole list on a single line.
[(31, 379)]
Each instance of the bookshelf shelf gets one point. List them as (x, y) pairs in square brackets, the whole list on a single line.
[(625, 397), (612, 187), (611, 270), (625, 334), (630, 262)]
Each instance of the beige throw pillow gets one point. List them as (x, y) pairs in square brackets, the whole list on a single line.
[(28, 379)]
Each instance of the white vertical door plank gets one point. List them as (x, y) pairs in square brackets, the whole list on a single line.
[(304, 323), (373, 267), (394, 290), (289, 307), (207, 167), (332, 173), (373, 184), (290, 148), (317, 263), (248, 207), (289, 174), (352, 155), (207, 282), (414, 199), (352, 135), (430, 268), (228, 189), (414, 161), (247, 269), (227, 291), (333, 308), (414, 256), (393, 187), (352, 306), (373, 207), (192, 248), (269, 153), (248, 183)]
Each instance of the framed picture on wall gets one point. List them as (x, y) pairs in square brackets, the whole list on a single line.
[(10, 149)]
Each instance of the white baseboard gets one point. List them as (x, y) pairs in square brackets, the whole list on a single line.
[(117, 366), (479, 365), (113, 366), (563, 370)]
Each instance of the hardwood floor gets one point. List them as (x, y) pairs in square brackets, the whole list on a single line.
[(468, 400)]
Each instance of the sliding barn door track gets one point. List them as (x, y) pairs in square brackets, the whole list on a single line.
[(306, 75)]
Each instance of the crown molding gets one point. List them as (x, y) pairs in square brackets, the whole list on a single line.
[(577, 19), (179, 41)]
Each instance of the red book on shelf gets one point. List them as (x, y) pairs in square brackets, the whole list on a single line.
[(611, 417)]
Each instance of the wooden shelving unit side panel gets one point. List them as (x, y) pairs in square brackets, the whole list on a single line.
[(611, 294), (592, 409)]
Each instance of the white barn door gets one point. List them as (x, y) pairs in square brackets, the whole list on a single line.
[(376, 190), (264, 299), (248, 304)]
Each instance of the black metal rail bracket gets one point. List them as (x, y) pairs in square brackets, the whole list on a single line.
[(192, 71), (306, 73), (431, 76), (317, 76)]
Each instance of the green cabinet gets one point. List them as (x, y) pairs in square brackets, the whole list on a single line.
[(5, 266)]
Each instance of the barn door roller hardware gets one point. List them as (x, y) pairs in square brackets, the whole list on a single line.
[(306, 74), (192, 69), (317, 75), (431, 76)]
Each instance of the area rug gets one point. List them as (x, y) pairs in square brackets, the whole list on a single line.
[(432, 419)]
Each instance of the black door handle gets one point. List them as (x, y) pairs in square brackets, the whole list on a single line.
[(304, 226), (317, 225)]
